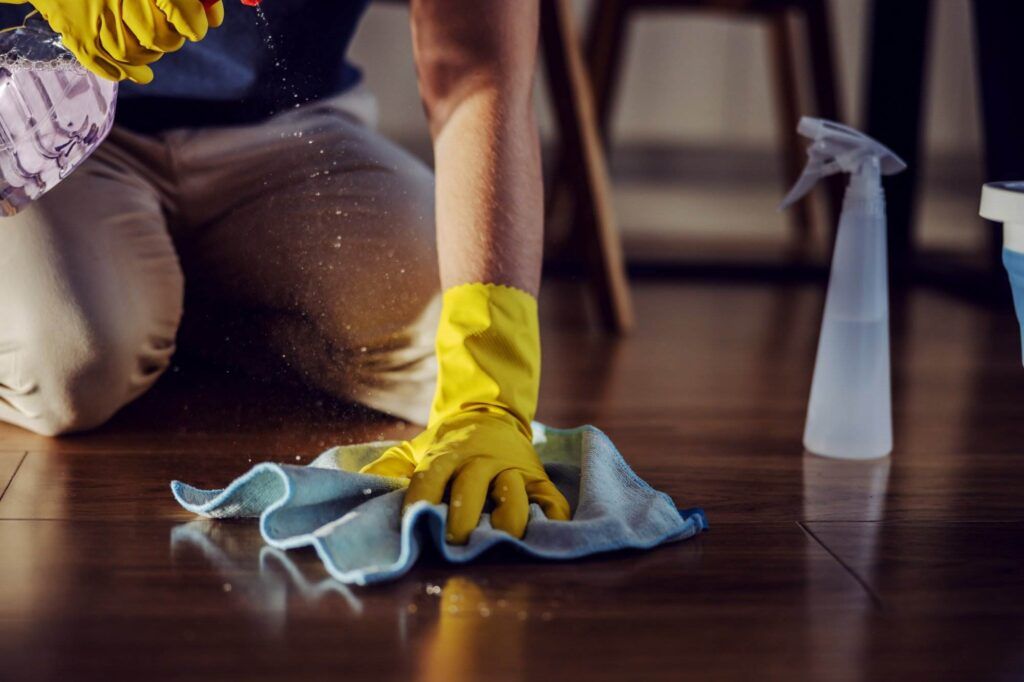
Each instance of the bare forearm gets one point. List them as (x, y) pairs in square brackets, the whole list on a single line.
[(476, 61)]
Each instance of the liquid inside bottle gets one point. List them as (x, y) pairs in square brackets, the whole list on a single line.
[(53, 113), (849, 414)]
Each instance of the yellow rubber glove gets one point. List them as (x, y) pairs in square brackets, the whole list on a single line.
[(214, 12), (118, 39), (479, 437)]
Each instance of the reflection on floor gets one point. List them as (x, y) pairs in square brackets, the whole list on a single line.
[(907, 567)]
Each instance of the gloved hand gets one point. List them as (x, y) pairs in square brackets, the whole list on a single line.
[(118, 39), (479, 437)]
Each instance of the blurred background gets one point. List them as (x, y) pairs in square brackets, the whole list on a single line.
[(696, 155)]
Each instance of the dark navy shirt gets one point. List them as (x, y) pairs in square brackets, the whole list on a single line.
[(245, 70)]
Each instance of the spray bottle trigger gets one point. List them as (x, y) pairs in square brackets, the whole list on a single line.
[(820, 164), (837, 148), (808, 179)]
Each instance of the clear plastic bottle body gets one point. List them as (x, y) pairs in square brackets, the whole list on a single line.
[(850, 410), (53, 114)]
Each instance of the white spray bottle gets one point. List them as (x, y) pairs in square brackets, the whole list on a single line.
[(849, 415)]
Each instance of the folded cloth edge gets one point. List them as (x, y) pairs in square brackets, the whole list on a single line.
[(693, 521)]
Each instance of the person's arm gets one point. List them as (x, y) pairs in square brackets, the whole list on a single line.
[(475, 60)]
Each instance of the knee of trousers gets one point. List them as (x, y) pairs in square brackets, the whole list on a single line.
[(413, 243), (78, 374), (393, 371)]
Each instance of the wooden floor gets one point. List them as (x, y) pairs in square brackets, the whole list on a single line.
[(907, 568)]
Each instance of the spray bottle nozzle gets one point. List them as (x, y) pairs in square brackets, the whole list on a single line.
[(837, 149), (211, 3)]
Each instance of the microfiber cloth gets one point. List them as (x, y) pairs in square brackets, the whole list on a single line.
[(355, 521)]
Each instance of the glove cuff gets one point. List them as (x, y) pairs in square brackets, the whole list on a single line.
[(488, 353)]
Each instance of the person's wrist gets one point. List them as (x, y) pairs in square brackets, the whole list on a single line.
[(488, 352)]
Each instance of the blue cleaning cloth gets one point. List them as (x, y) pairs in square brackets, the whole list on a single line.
[(355, 521)]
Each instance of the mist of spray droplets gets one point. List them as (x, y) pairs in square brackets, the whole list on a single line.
[(288, 84)]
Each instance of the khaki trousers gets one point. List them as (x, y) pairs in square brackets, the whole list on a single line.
[(302, 246)]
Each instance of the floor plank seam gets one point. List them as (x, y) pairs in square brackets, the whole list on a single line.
[(914, 522), (875, 598), (186, 451), (13, 475), (111, 521)]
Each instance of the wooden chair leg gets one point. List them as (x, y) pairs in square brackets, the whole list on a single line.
[(826, 90), (605, 43), (604, 47), (787, 101), (577, 122)]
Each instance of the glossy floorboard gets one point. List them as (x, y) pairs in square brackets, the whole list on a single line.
[(906, 568)]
